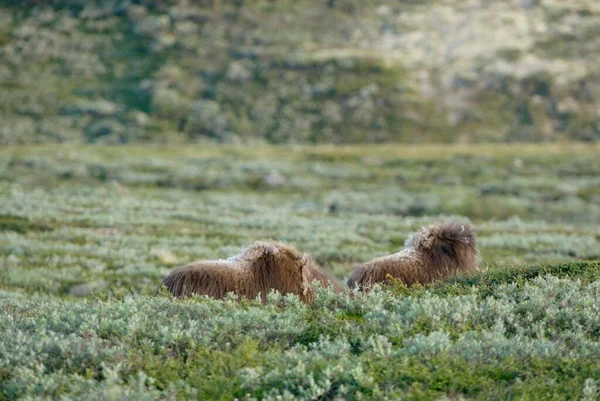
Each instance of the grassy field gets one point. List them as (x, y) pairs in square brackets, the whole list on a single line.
[(87, 233)]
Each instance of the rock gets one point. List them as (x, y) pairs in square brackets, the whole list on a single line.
[(59, 129), (98, 108), (85, 289), (383, 11), (568, 105), (518, 163), (66, 23), (31, 110), (238, 72), (173, 77), (147, 86), (188, 14), (529, 3), (369, 90), (136, 13), (489, 189), (169, 102), (99, 172), (333, 113), (6, 19), (45, 16), (333, 208), (95, 13), (165, 256), (152, 25), (18, 130), (205, 119), (275, 179), (163, 41), (25, 31), (185, 28), (103, 128), (169, 74), (139, 118)]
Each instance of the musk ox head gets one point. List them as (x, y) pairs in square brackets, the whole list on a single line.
[(447, 244), (282, 267)]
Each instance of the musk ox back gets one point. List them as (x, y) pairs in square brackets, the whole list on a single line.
[(259, 269), (431, 254), (325, 279)]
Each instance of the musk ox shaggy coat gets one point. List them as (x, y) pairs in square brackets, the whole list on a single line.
[(257, 270), (431, 254)]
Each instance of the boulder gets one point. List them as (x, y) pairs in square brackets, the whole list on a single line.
[(107, 127), (85, 289), (238, 72), (275, 179), (205, 118), (97, 108), (153, 25)]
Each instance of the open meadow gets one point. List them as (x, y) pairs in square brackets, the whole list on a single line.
[(139, 136), (87, 234)]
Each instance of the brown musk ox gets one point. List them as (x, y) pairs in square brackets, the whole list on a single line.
[(262, 267), (431, 254)]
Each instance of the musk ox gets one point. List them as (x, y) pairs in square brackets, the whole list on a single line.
[(262, 267), (431, 254), (325, 279)]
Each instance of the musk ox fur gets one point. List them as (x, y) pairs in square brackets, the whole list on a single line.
[(262, 267), (431, 254)]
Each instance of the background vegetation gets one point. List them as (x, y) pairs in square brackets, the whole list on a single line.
[(87, 233), (436, 92), (290, 71)]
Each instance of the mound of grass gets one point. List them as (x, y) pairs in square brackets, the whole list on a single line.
[(486, 282)]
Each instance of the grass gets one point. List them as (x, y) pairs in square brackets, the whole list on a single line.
[(117, 219)]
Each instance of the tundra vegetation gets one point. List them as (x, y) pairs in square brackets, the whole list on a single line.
[(87, 234), (299, 71)]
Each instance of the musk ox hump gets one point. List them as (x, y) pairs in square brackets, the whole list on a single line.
[(445, 238), (212, 278), (260, 268)]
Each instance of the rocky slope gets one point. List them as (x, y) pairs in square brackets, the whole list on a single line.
[(299, 71)]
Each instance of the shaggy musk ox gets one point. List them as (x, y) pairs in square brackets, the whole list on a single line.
[(257, 270), (430, 254)]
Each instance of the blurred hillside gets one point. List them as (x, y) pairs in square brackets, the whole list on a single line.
[(299, 71)]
